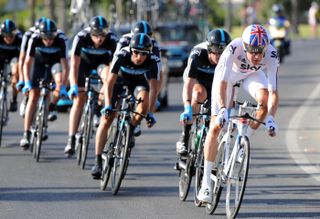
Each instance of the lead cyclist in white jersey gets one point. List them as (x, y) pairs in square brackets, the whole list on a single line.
[(253, 60)]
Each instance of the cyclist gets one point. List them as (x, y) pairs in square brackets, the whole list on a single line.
[(198, 77), (136, 67), (24, 46), (92, 47), (10, 41), (45, 47), (142, 27), (246, 59)]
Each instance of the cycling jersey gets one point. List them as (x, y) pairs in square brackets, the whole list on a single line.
[(10, 51), (46, 56), (92, 57), (133, 75), (199, 66), (234, 66)]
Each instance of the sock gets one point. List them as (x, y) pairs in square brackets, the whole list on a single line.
[(206, 181), (99, 160)]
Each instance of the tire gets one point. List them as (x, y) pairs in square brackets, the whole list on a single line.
[(236, 187), (185, 175), (79, 145), (198, 177), (87, 131), (41, 116), (107, 158), (211, 207), (3, 112), (120, 159)]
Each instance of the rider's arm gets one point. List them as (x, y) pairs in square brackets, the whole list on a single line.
[(74, 67), (111, 80), (65, 71), (273, 102), (153, 94), (187, 91), (22, 56), (222, 94), (26, 67)]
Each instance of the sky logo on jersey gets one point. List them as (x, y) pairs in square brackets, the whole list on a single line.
[(258, 36), (248, 67), (207, 70), (133, 71), (96, 51)]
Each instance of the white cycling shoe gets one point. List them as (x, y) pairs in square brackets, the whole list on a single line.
[(205, 195)]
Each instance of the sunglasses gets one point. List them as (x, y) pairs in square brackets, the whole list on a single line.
[(216, 49), (137, 52), (254, 49), (50, 36)]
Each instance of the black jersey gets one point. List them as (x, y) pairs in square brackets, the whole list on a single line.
[(83, 46), (27, 35), (199, 66), (44, 54), (9, 51), (123, 66), (125, 41)]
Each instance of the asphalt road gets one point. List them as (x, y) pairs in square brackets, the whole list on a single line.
[(284, 175)]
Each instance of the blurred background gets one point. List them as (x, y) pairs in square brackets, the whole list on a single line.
[(71, 15)]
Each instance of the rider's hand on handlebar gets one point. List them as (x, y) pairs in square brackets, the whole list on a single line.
[(63, 92), (221, 117), (27, 87), (73, 92), (151, 120), (271, 125), (186, 116), (106, 111), (20, 85)]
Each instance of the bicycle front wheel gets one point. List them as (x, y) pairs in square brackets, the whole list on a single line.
[(216, 185), (186, 172), (237, 179), (3, 112), (41, 117), (198, 178), (107, 157), (87, 131), (120, 159)]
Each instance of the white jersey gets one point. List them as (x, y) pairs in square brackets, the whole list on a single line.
[(234, 66)]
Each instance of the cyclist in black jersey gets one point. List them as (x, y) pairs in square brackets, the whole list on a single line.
[(23, 50), (198, 77), (142, 27), (135, 67), (92, 47), (10, 41), (46, 49)]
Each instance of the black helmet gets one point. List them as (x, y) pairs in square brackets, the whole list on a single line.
[(98, 26), (217, 40), (8, 28), (38, 21), (141, 27), (48, 29), (141, 42)]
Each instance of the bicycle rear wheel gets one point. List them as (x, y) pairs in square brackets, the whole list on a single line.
[(120, 159), (107, 158), (3, 112), (186, 173), (87, 131), (211, 207), (237, 179), (41, 116)]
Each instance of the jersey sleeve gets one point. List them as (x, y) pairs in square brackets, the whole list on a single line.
[(77, 44), (272, 69), (116, 63), (192, 64), (226, 61)]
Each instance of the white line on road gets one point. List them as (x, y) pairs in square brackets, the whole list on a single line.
[(292, 136)]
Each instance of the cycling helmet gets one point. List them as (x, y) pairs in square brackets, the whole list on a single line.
[(255, 39), (141, 42), (8, 28), (98, 26), (48, 29), (141, 27), (277, 8), (37, 22), (217, 40)]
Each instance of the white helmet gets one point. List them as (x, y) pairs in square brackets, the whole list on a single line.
[(255, 39)]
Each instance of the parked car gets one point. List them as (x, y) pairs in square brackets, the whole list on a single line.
[(177, 39)]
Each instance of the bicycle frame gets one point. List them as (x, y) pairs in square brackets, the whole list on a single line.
[(5, 76)]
